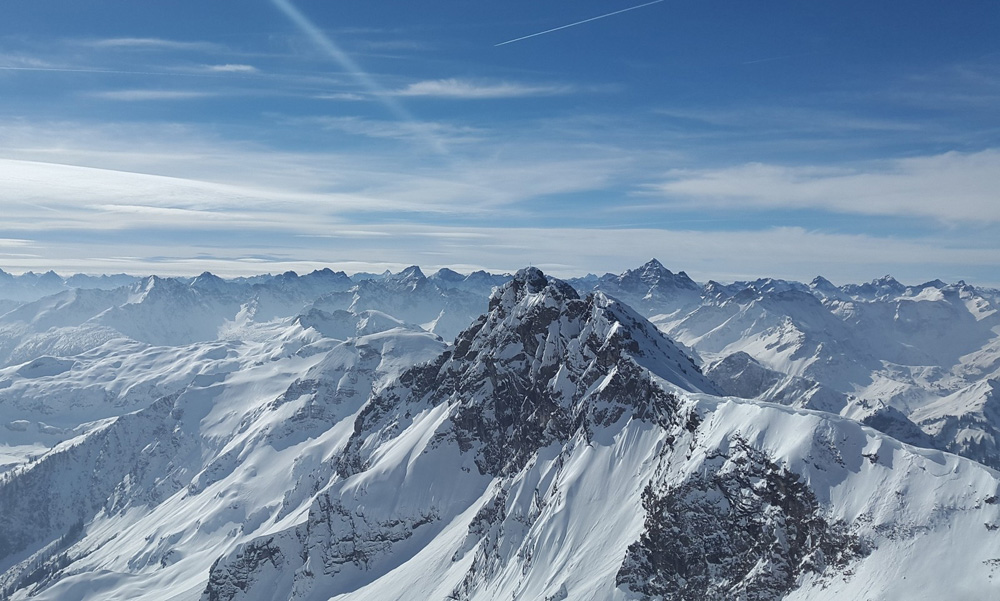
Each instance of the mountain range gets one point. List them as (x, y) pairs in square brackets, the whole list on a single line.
[(482, 436)]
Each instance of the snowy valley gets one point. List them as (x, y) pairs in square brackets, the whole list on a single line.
[(483, 436)]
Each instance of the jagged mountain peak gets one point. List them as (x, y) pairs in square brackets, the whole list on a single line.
[(653, 265), (888, 284), (526, 282), (936, 283), (885, 287), (652, 288), (541, 365), (328, 277), (327, 274), (51, 278), (655, 275), (716, 290), (824, 288), (546, 317)]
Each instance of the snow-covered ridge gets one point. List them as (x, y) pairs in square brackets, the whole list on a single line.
[(312, 437)]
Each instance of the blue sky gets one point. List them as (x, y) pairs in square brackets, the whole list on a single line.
[(727, 139)]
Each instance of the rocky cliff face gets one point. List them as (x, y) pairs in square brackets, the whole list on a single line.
[(745, 528)]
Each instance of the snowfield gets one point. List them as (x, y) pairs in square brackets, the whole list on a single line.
[(487, 437)]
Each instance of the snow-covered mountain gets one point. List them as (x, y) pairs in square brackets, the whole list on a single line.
[(652, 289), (878, 345), (742, 376), (313, 437), (440, 304)]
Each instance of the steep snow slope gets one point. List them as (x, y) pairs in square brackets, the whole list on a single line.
[(237, 448)]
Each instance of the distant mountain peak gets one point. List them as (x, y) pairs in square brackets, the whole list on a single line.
[(653, 275), (208, 281), (936, 283), (411, 273), (447, 275), (887, 280), (653, 265), (822, 283)]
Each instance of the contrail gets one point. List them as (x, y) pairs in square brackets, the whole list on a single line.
[(617, 12), (348, 64)]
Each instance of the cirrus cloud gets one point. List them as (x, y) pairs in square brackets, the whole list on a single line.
[(470, 90), (150, 95), (953, 186)]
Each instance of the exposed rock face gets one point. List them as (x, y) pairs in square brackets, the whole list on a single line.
[(541, 367), (244, 571), (744, 529)]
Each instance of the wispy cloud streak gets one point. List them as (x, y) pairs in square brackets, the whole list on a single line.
[(152, 43), (467, 90), (146, 95)]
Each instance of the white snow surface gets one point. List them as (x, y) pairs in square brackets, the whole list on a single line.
[(167, 433)]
